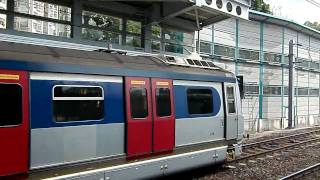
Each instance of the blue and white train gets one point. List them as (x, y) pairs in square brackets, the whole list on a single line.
[(64, 111)]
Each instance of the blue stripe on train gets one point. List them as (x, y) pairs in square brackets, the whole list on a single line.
[(181, 105), (68, 68), (42, 106)]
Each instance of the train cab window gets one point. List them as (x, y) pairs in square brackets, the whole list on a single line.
[(163, 101), (231, 100), (138, 103), (10, 104), (200, 101), (77, 103)]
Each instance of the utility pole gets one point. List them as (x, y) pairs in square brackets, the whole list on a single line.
[(290, 98)]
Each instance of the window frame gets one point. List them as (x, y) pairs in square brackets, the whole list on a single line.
[(148, 109), (75, 99), (234, 99), (22, 95), (200, 88), (170, 96)]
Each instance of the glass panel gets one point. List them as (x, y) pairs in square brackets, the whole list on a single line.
[(155, 45), (231, 100), (138, 102), (3, 4), (200, 101), (314, 92), (314, 65), (177, 42), (251, 89), (133, 27), (97, 35), (247, 54), (3, 21), (224, 51), (175, 48), (270, 90), (156, 31), (41, 27), (78, 110), (205, 47), (134, 41), (70, 91), (163, 102), (302, 91), (72, 108), (134, 30), (43, 9), (10, 104), (101, 20), (286, 90), (272, 57)]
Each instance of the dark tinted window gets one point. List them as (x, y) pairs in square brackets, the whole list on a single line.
[(200, 101), (77, 110), (71, 91), (138, 102), (10, 104), (76, 103), (231, 100), (163, 102)]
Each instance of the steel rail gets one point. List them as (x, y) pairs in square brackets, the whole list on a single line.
[(244, 146), (276, 149), (302, 172)]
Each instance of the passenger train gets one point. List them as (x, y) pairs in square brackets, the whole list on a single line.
[(134, 116)]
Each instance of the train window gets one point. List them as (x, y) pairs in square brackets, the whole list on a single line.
[(231, 100), (163, 102), (200, 101), (138, 102), (77, 103), (10, 104)]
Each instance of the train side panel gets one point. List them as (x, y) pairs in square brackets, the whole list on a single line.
[(56, 139), (193, 127)]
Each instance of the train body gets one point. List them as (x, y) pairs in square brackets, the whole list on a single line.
[(61, 107)]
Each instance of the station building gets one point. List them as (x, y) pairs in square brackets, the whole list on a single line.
[(256, 49)]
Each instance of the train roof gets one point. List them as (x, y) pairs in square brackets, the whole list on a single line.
[(50, 59)]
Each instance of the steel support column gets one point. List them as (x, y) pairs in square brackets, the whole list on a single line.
[(310, 58), (76, 19), (282, 77), (261, 75), (10, 15), (212, 41), (295, 116), (236, 54), (290, 86)]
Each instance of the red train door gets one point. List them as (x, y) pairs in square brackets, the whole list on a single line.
[(139, 116), (150, 115), (14, 122), (163, 115)]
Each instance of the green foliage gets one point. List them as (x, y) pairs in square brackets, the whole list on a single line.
[(260, 5), (314, 25)]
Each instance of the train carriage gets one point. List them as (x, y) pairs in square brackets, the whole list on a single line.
[(61, 108)]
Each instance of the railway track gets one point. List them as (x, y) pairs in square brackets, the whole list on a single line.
[(305, 173), (277, 144)]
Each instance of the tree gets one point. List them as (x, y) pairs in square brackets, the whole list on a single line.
[(314, 25), (260, 5)]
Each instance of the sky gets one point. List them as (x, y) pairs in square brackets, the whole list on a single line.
[(297, 10)]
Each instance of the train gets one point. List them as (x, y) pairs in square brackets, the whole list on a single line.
[(137, 116)]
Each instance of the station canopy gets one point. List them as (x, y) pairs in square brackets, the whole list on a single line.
[(183, 15)]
